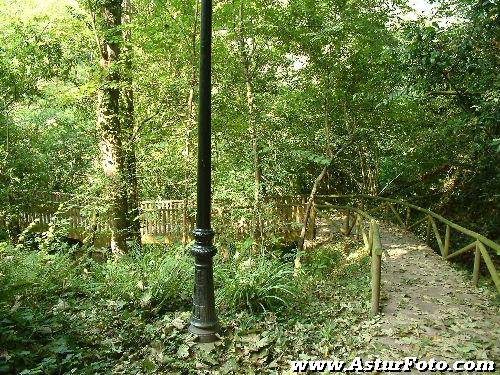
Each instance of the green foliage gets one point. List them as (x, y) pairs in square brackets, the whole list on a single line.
[(258, 284), (147, 278), (326, 76), (54, 305), (34, 273), (62, 313), (321, 261), (408, 108)]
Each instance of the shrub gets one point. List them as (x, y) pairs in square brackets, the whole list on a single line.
[(39, 275), (152, 279)]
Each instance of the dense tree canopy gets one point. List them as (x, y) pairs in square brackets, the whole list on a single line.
[(411, 106)]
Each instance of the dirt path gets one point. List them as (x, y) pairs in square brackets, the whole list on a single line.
[(430, 309)]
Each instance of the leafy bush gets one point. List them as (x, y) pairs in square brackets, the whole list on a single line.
[(151, 279), (257, 285), (53, 307), (68, 313)]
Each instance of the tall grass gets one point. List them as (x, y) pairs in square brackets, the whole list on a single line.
[(256, 285), (321, 261), (156, 278)]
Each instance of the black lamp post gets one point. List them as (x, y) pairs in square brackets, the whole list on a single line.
[(204, 319)]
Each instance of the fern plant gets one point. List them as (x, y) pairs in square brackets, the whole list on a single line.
[(257, 285)]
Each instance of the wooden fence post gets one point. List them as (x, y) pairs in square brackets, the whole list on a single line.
[(489, 264), (376, 267), (359, 223), (447, 237), (366, 239), (477, 264), (347, 222), (369, 240), (408, 217), (428, 234), (438, 236)]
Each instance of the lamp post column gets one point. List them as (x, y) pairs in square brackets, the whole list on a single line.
[(204, 318)]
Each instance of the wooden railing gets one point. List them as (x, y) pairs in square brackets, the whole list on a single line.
[(399, 209), (371, 239)]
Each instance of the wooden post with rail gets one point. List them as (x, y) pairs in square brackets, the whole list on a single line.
[(376, 270)]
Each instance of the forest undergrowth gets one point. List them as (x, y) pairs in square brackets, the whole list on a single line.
[(68, 312)]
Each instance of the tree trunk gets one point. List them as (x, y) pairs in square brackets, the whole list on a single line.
[(256, 159), (109, 125), (373, 177), (307, 213), (252, 127), (364, 189), (317, 182), (309, 205), (129, 131)]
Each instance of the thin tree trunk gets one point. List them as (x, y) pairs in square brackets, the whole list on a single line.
[(314, 190), (309, 205), (317, 182), (328, 135), (133, 209), (329, 153), (252, 127), (256, 158), (369, 172), (109, 125), (371, 179), (324, 172), (364, 177)]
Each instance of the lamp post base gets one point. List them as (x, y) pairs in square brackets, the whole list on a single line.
[(204, 319), (205, 335)]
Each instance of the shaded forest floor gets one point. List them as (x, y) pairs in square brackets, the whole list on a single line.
[(56, 316)]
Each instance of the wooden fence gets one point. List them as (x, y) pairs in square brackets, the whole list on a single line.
[(367, 228), (168, 220)]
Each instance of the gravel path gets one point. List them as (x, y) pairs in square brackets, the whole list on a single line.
[(429, 309)]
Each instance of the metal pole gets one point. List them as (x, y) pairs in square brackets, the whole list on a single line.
[(204, 319)]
